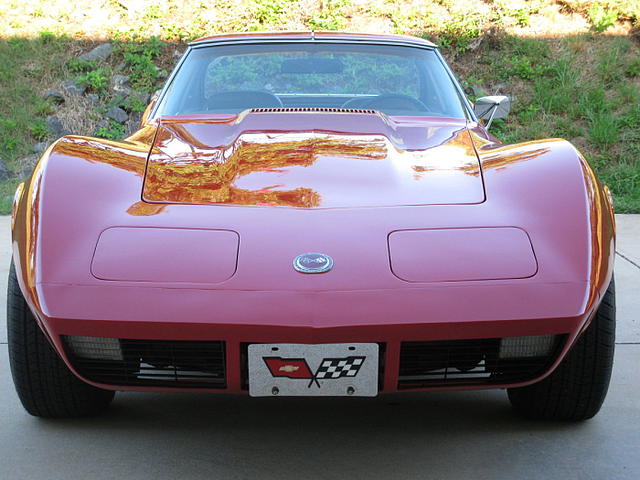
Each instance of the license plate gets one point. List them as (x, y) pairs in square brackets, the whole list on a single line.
[(336, 369)]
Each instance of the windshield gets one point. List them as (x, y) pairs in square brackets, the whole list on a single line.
[(396, 80)]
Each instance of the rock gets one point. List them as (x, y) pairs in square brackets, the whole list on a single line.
[(31, 68), (39, 147), (121, 84), (120, 100), (98, 54), (72, 88), (473, 45), (121, 80), (117, 114), (54, 95), (103, 123), (499, 86), (121, 66), (134, 122), (93, 98), (161, 73), (477, 91), (144, 97), (26, 165), (54, 125), (141, 98)]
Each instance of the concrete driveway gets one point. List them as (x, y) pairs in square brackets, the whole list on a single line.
[(452, 435)]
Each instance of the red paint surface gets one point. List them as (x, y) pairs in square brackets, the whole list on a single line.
[(458, 254), (165, 255)]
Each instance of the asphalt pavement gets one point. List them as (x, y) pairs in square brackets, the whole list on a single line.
[(438, 435)]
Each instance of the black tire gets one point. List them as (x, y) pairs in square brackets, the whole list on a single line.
[(44, 384), (578, 386)]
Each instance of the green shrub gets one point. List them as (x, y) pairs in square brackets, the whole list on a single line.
[(135, 104), (133, 43), (601, 17), (525, 68), (46, 36), (114, 131), (269, 12), (78, 66), (139, 55), (519, 12), (458, 33), (38, 129), (144, 72), (331, 16), (95, 80), (8, 134)]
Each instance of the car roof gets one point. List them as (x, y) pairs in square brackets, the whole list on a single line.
[(311, 36)]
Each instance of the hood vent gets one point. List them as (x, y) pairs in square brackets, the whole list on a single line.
[(313, 110)]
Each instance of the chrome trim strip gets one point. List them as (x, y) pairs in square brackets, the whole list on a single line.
[(312, 38)]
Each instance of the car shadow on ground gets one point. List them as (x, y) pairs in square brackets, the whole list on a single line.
[(410, 414)]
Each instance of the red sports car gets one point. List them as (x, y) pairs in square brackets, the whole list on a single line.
[(312, 214)]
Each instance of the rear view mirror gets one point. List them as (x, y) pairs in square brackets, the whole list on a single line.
[(495, 106), (312, 65)]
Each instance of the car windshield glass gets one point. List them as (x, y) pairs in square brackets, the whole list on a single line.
[(397, 80)]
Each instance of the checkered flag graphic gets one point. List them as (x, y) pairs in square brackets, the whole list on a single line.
[(339, 367)]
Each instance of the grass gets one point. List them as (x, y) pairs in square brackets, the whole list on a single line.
[(572, 67), (590, 100), (27, 67)]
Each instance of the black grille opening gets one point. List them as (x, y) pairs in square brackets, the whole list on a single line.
[(244, 364), (476, 361), (161, 363)]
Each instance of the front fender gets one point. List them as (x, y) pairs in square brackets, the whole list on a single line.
[(555, 189), (86, 176)]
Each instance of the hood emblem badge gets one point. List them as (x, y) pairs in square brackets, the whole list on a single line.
[(313, 263)]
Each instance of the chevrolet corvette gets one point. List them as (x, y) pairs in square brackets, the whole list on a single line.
[(312, 214)]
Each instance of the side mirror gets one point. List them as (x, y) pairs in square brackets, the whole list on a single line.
[(147, 111), (488, 108)]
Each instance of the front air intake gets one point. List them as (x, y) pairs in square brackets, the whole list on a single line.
[(313, 110), (149, 363), (485, 361)]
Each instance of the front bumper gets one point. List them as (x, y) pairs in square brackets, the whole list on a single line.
[(390, 318)]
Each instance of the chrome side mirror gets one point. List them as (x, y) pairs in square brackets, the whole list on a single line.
[(495, 106), (147, 111)]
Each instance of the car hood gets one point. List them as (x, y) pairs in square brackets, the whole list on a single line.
[(312, 160)]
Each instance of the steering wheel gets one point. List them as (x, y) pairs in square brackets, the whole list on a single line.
[(393, 101), (243, 99)]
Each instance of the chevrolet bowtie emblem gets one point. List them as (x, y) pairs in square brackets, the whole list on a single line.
[(288, 368)]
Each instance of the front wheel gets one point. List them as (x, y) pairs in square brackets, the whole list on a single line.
[(577, 387), (44, 384)]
